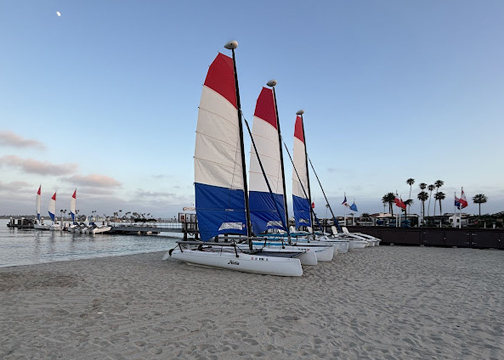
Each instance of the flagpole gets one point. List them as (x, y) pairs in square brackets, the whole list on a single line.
[(460, 207), (345, 209)]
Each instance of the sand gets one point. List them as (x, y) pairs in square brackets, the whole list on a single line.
[(386, 302)]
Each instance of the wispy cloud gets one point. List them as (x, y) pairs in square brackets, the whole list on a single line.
[(15, 186), (8, 138), (93, 180), (37, 167)]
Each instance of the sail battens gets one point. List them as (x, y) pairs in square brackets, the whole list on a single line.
[(218, 172), (267, 208), (52, 208), (300, 202)]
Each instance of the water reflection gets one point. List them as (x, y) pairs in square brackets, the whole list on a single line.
[(35, 246)]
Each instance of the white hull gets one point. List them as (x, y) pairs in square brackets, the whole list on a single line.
[(40, 227), (306, 256), (342, 245), (99, 229), (357, 244), (323, 252), (226, 259)]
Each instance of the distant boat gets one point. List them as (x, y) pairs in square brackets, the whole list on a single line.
[(52, 213), (221, 183), (38, 225), (74, 226)]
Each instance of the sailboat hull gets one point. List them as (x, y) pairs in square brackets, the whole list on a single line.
[(323, 252), (227, 259)]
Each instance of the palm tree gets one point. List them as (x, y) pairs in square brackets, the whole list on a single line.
[(389, 199), (479, 199), (422, 186), (437, 184), (408, 203), (430, 188), (439, 196), (410, 182), (423, 196)]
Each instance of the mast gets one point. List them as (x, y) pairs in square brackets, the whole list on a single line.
[(272, 84), (232, 45)]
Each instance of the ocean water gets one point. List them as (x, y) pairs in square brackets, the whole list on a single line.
[(26, 247)]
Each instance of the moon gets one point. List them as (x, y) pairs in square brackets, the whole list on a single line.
[(58, 13)]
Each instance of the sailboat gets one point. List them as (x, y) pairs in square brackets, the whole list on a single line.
[(220, 182), (301, 192), (38, 225), (268, 205), (52, 213), (74, 226)]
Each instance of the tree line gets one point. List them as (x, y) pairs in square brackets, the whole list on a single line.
[(424, 196)]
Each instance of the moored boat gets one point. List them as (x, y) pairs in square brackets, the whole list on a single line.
[(220, 182)]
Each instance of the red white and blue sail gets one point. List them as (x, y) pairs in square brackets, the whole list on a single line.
[(300, 185), (38, 202), (73, 202), (52, 208), (266, 208), (218, 173)]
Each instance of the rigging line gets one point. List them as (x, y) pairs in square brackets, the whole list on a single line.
[(325, 197), (265, 177), (302, 188)]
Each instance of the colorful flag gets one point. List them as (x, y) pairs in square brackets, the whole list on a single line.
[(463, 200), (344, 202), (400, 203), (457, 202), (353, 207)]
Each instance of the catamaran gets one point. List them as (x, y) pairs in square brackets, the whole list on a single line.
[(301, 192), (39, 225), (221, 193), (268, 203), (52, 213)]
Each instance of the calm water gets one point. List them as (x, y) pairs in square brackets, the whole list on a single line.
[(25, 247)]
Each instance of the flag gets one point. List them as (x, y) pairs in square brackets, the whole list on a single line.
[(463, 200), (400, 203), (457, 202), (344, 202), (353, 207)]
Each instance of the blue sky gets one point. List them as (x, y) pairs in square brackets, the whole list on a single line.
[(104, 98)]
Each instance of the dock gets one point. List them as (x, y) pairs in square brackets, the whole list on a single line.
[(20, 223), (188, 229)]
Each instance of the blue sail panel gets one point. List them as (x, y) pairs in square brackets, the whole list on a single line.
[(264, 213), (301, 211), (52, 215), (219, 211)]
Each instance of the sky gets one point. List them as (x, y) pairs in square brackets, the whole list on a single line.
[(103, 97)]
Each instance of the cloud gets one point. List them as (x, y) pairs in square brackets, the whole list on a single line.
[(37, 167), (14, 187), (8, 138), (93, 180)]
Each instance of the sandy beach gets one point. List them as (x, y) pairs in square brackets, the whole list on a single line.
[(386, 302)]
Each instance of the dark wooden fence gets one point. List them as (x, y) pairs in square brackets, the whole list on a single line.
[(470, 238)]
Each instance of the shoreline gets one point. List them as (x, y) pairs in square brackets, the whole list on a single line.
[(377, 303)]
